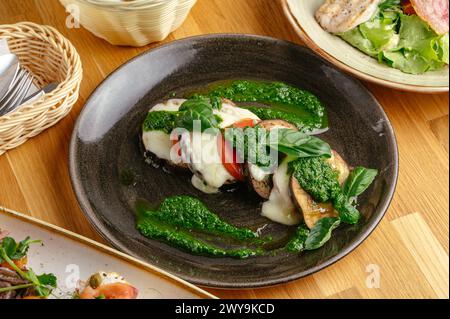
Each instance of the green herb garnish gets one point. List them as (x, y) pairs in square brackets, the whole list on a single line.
[(10, 250)]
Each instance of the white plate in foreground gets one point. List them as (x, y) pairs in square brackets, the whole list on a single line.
[(301, 15), (72, 257)]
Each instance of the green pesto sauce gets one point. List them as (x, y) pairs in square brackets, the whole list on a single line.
[(303, 123), (320, 180), (299, 107), (178, 216), (297, 243), (279, 101), (316, 177), (160, 121)]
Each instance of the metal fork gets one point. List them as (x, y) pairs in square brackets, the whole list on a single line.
[(17, 92)]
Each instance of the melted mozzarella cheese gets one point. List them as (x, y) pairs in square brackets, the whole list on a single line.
[(111, 278), (258, 173), (102, 278), (171, 105), (338, 16), (158, 143), (198, 183), (231, 114), (201, 151), (280, 207)]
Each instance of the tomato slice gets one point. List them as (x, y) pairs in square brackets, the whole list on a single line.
[(228, 156), (227, 151), (21, 263), (176, 144), (245, 123), (408, 8)]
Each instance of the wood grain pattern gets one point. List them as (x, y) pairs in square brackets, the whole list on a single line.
[(410, 247)]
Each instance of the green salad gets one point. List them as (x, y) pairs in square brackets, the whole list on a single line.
[(402, 41)]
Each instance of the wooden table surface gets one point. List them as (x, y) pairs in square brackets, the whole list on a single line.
[(409, 249)]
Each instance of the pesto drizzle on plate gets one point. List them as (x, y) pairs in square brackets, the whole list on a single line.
[(176, 219), (294, 105)]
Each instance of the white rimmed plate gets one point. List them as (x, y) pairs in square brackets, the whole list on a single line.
[(72, 257), (300, 13)]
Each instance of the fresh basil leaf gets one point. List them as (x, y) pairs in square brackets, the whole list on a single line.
[(321, 232), (298, 144), (297, 243), (216, 102), (358, 181), (197, 110), (251, 145), (195, 103), (347, 212)]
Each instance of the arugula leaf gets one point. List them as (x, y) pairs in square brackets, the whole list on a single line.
[(10, 250), (298, 144), (16, 251), (47, 280), (358, 181), (44, 284), (321, 232), (9, 246), (198, 109), (22, 248)]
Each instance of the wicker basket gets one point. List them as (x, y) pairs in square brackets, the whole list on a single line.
[(50, 57), (132, 23)]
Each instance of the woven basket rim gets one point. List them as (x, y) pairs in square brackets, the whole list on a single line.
[(31, 119), (52, 97)]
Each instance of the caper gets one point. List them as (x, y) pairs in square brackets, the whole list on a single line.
[(95, 281)]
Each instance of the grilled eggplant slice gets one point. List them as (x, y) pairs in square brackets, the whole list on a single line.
[(311, 210), (271, 124), (263, 186)]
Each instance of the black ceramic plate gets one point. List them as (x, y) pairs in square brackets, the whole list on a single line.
[(109, 173)]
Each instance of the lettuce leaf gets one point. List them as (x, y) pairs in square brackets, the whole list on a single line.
[(442, 48), (389, 4), (403, 42), (359, 41), (416, 35), (379, 31), (406, 61)]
